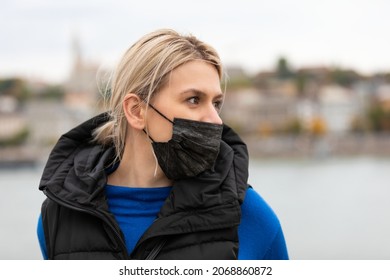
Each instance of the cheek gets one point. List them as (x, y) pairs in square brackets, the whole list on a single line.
[(160, 130), (189, 114)]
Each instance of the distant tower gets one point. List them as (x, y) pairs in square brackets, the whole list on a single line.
[(76, 54), (81, 89)]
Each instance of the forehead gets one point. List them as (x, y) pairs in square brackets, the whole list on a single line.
[(198, 75)]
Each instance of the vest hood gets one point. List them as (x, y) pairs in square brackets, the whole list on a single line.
[(75, 170), (76, 167)]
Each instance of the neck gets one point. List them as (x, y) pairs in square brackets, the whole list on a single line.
[(138, 167)]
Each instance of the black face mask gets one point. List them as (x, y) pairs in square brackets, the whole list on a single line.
[(194, 148)]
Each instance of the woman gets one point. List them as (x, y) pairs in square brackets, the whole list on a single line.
[(159, 176)]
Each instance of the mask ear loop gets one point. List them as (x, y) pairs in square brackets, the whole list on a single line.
[(162, 115), (154, 155), (147, 134), (158, 112)]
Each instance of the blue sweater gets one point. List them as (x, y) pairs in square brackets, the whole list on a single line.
[(260, 233)]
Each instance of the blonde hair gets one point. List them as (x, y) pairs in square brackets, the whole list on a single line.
[(144, 70)]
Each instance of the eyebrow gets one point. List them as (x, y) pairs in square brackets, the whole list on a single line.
[(199, 92)]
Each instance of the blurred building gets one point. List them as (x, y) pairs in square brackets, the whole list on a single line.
[(11, 126), (252, 110), (81, 91), (383, 96), (338, 106), (12, 121), (240, 109)]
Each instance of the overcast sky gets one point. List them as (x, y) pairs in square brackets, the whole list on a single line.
[(36, 35)]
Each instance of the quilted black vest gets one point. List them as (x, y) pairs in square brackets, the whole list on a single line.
[(199, 219)]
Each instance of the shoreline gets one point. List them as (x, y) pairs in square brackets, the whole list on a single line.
[(308, 147), (275, 147)]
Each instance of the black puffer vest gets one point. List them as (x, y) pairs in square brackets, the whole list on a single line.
[(199, 219)]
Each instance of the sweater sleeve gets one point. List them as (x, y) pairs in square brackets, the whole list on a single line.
[(41, 237), (277, 250), (260, 233)]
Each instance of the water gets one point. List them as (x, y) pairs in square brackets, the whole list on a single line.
[(20, 204), (329, 209)]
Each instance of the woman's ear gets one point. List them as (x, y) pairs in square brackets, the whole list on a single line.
[(134, 111)]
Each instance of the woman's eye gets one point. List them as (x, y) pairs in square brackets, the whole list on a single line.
[(193, 100), (218, 105)]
